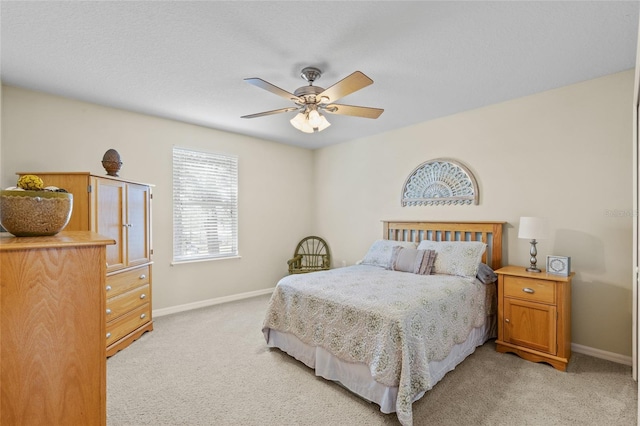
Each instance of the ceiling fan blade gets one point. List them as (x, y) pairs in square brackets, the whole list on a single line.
[(356, 111), (273, 89), (347, 85), (275, 111)]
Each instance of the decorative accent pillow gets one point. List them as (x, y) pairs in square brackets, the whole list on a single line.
[(406, 259), (427, 264), (486, 274), (412, 260), (455, 257), (380, 252)]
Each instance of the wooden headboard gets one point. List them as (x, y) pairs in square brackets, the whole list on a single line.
[(489, 233)]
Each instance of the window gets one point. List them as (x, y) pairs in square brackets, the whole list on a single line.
[(205, 205)]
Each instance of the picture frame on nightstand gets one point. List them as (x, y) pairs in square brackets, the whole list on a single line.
[(559, 265)]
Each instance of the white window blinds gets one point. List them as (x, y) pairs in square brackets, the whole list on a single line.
[(205, 205)]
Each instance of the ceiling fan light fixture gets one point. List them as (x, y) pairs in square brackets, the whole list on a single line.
[(300, 122), (309, 122)]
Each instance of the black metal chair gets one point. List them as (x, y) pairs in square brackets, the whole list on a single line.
[(312, 254)]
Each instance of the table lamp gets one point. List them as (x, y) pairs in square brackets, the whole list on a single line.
[(533, 228)]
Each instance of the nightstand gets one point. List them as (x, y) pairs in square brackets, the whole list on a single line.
[(534, 315)]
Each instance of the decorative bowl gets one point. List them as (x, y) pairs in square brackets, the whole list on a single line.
[(34, 213)]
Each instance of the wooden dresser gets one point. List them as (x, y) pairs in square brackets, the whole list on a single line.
[(52, 357), (534, 315), (121, 210)]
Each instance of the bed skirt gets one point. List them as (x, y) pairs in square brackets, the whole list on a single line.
[(357, 378)]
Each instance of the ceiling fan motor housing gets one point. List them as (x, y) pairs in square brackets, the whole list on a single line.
[(308, 93)]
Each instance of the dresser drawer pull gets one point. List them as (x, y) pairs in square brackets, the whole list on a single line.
[(143, 276), (108, 288), (108, 311), (528, 290), (143, 316), (108, 335), (507, 320), (142, 296)]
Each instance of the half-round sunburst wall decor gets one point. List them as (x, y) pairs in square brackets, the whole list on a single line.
[(440, 182)]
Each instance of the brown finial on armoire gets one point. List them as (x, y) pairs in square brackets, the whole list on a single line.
[(111, 162)]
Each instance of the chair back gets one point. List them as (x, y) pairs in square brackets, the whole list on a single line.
[(311, 254)]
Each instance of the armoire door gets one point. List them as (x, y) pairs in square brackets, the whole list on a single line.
[(108, 206), (137, 224)]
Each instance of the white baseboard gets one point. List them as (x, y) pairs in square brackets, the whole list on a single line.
[(598, 353), (209, 302)]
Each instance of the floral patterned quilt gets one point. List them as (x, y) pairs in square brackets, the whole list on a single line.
[(393, 322)]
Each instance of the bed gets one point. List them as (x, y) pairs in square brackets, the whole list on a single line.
[(385, 329)]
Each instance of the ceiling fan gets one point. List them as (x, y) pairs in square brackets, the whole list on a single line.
[(312, 100)]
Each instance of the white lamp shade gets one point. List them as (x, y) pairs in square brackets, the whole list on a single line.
[(324, 123), (311, 122), (300, 122), (534, 228), (314, 118)]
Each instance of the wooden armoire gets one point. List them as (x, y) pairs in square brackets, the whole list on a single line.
[(121, 210)]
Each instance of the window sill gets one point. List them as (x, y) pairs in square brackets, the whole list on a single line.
[(213, 259)]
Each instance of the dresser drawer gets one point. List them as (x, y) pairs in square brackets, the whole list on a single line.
[(124, 325), (125, 302), (530, 289), (127, 280)]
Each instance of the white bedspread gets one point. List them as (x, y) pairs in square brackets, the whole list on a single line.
[(393, 322)]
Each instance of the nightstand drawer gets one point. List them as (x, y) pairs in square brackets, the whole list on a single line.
[(530, 289)]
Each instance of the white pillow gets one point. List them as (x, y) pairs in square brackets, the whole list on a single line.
[(455, 257), (380, 252)]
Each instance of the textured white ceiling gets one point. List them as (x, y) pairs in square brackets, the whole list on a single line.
[(187, 60)]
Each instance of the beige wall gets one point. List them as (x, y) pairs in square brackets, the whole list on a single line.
[(564, 154), (48, 133)]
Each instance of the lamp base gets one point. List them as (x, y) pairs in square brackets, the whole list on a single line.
[(533, 261)]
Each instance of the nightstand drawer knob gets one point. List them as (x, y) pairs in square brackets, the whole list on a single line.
[(108, 311), (143, 276), (143, 316), (528, 290), (142, 296), (108, 335), (506, 320), (108, 288)]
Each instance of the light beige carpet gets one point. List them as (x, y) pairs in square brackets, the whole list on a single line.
[(211, 366)]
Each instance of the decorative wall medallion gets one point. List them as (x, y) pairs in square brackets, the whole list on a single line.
[(440, 182)]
